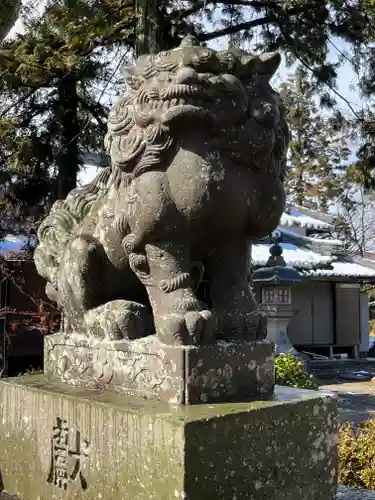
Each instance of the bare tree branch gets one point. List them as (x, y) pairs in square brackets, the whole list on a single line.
[(293, 45), (22, 99), (230, 30), (359, 218), (94, 112), (201, 4)]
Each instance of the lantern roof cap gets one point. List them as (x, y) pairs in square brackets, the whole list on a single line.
[(276, 271), (277, 274)]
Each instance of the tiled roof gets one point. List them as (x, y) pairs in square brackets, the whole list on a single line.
[(344, 270), (295, 217)]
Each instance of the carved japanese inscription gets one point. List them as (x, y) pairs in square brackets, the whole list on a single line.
[(68, 452)]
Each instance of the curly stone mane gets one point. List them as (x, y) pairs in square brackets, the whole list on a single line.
[(56, 229), (189, 82)]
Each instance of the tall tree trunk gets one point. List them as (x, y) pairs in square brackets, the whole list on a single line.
[(147, 27), (68, 160), (154, 31)]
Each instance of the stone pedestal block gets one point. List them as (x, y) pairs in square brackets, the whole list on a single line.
[(64, 443), (174, 374)]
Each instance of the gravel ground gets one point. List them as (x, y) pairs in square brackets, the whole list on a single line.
[(356, 398), (356, 401), (349, 494)]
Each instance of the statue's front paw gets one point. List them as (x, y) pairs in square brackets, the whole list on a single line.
[(119, 319), (191, 328)]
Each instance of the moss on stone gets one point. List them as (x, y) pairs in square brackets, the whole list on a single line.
[(142, 450)]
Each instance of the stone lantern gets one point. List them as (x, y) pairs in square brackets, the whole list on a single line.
[(276, 280)]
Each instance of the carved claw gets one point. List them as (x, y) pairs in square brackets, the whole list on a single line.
[(191, 328), (201, 327)]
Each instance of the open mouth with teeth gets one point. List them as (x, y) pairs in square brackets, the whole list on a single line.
[(213, 97)]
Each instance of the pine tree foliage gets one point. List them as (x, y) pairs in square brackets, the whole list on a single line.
[(362, 62), (319, 148), (52, 80)]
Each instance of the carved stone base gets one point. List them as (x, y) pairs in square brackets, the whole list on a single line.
[(64, 443), (181, 375)]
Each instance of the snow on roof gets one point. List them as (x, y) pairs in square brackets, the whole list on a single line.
[(309, 239), (344, 270), (312, 262), (297, 218), (293, 256), (367, 261)]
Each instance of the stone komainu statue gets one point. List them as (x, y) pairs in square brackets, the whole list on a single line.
[(198, 150), (9, 10)]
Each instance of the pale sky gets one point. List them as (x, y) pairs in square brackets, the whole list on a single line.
[(17, 28)]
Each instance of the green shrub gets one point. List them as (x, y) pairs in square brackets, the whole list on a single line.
[(290, 372), (357, 455)]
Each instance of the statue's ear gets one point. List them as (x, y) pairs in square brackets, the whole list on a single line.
[(250, 65), (269, 63)]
